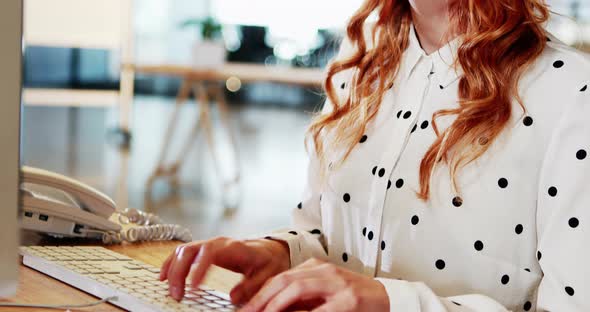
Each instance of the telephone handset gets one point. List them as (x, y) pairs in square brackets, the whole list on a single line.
[(63, 207)]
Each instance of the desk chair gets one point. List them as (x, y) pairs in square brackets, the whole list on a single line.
[(104, 24)]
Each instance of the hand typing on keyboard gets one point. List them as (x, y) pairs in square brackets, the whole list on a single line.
[(257, 260), (120, 280)]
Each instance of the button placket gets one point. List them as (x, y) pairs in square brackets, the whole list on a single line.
[(371, 248)]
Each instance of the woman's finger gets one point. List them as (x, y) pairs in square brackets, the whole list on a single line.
[(243, 291), (165, 266), (301, 290), (179, 269), (281, 281), (202, 262)]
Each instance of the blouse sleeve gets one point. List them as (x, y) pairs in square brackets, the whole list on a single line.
[(563, 213), (305, 236), (563, 230)]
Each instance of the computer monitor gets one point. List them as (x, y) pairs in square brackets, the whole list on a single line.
[(10, 108)]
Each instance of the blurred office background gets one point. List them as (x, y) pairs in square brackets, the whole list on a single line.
[(268, 119)]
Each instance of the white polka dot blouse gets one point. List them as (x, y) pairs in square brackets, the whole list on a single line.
[(517, 235)]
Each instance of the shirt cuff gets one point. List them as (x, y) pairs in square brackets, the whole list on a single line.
[(402, 296), (296, 254)]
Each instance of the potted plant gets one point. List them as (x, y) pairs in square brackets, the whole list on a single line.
[(210, 50)]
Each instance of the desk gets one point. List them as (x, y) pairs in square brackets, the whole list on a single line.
[(246, 72), (36, 287), (209, 83)]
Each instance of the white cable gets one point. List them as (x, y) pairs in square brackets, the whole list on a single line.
[(132, 215), (57, 306), (150, 229)]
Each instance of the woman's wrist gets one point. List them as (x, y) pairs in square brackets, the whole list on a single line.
[(280, 249)]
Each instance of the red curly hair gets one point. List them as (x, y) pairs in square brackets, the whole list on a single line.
[(499, 40)]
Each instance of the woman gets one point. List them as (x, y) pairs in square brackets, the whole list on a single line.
[(449, 172)]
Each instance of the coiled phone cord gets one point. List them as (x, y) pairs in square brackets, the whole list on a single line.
[(150, 228)]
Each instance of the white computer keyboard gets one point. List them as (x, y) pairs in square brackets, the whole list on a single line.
[(105, 273)]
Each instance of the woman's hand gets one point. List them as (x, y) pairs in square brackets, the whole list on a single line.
[(258, 260), (329, 286)]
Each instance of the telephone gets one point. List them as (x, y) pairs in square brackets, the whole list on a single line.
[(63, 207)]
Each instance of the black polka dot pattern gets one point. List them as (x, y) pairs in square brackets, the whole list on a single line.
[(527, 306), (503, 183), (552, 191), (527, 121), (478, 245), (505, 279)]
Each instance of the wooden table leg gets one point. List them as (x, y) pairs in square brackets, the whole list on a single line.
[(161, 168), (224, 116), (202, 94), (204, 121)]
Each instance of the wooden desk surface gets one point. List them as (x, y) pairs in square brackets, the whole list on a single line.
[(38, 288), (244, 71)]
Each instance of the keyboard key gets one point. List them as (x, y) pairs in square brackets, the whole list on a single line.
[(213, 305), (209, 297), (222, 302), (219, 294)]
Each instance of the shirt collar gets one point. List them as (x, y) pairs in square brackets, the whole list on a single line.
[(442, 60)]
